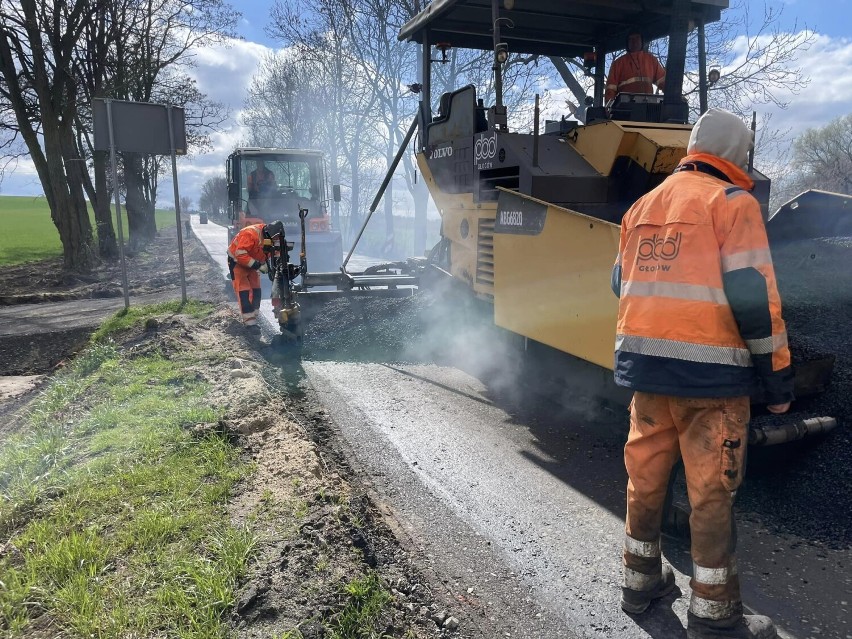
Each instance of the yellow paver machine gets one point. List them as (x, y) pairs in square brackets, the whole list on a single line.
[(531, 219)]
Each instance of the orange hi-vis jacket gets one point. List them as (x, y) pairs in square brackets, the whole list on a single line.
[(699, 312), (636, 72), (246, 249)]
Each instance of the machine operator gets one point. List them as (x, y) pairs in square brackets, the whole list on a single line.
[(261, 181), (637, 71)]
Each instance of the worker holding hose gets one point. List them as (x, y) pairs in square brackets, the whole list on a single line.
[(246, 260), (699, 331)]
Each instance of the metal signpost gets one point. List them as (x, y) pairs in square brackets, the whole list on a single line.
[(140, 127)]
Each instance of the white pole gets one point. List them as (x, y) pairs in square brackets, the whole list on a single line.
[(177, 206)]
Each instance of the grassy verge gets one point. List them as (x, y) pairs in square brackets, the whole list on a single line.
[(112, 513), (366, 600), (29, 234), (127, 317)]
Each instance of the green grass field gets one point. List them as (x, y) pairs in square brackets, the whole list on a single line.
[(28, 234)]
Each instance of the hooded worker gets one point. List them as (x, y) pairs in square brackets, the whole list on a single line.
[(246, 259), (699, 331)]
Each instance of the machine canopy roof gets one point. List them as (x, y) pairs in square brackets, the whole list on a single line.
[(564, 28)]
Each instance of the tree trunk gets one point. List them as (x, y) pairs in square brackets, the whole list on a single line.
[(68, 210), (77, 176), (141, 225), (388, 247), (355, 203), (388, 250), (107, 243)]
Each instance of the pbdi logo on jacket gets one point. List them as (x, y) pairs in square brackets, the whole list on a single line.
[(658, 249)]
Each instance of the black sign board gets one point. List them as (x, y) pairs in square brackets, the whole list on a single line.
[(139, 127)]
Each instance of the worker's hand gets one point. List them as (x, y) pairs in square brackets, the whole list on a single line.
[(263, 268), (777, 409)]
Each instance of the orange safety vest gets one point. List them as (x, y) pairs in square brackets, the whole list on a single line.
[(699, 312), (246, 249), (635, 73)]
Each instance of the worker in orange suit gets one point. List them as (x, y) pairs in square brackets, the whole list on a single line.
[(699, 331), (637, 71), (246, 260)]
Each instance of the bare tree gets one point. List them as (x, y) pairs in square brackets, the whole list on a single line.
[(757, 58), (823, 157), (319, 32), (55, 57), (214, 196), (37, 47), (151, 67)]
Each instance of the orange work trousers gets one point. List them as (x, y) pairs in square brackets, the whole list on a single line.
[(711, 435), (247, 289)]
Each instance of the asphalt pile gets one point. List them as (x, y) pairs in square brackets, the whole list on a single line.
[(367, 329), (797, 484), (436, 325)]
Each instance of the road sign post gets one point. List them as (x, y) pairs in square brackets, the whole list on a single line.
[(146, 128)]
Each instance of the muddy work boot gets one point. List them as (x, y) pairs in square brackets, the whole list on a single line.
[(739, 627), (637, 601)]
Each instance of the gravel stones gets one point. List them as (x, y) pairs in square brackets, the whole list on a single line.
[(795, 486)]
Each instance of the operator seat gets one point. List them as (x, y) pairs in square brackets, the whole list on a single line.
[(458, 116)]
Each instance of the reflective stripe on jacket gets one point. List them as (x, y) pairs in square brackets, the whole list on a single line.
[(699, 311), (635, 73), (246, 249)]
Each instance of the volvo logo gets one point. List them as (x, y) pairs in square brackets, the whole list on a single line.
[(441, 152), (485, 148)]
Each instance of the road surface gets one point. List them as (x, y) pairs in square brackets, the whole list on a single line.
[(523, 511)]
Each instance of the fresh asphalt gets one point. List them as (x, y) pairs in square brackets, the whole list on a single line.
[(523, 511)]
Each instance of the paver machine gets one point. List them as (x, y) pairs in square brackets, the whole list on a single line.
[(531, 218)]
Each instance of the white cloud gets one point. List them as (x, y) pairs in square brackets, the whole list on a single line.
[(826, 64), (829, 95), (224, 74)]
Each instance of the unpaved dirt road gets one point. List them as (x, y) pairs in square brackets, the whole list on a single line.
[(522, 511)]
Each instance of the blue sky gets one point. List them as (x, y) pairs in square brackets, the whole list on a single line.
[(255, 16), (829, 18), (225, 74)]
